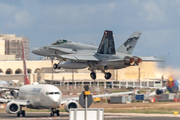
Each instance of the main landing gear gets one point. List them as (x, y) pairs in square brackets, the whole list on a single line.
[(93, 75), (55, 66), (54, 111), (107, 75), (21, 112)]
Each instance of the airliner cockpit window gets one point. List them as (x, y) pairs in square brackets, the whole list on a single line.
[(51, 93), (57, 93), (60, 41)]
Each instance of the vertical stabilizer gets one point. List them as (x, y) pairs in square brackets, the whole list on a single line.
[(26, 80), (129, 45), (107, 43)]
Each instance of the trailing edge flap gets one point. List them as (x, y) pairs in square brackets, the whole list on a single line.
[(107, 43), (65, 50), (80, 57)]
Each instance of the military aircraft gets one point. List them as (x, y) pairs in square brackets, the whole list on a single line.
[(103, 58), (61, 47), (42, 96)]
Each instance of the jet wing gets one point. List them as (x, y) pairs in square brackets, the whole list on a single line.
[(80, 57), (20, 102), (96, 96)]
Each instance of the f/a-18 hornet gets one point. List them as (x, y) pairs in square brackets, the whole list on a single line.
[(80, 56)]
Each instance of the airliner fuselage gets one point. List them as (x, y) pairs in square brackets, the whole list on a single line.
[(41, 96)]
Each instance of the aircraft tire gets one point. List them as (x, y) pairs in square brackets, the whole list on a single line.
[(55, 66), (23, 113), (18, 114), (93, 75), (57, 112), (51, 114), (107, 75)]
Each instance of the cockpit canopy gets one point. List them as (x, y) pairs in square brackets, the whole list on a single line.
[(60, 41)]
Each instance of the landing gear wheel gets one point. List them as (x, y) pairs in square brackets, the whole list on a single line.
[(93, 75), (23, 113), (18, 114), (55, 66), (57, 112), (107, 75), (51, 114)]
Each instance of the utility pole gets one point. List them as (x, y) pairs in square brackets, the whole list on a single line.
[(52, 71), (73, 77), (139, 78)]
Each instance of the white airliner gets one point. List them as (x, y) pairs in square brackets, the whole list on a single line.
[(42, 96)]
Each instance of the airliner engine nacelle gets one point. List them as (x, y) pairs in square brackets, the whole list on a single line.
[(72, 65), (14, 93), (138, 60), (158, 92), (129, 61), (12, 107), (70, 104)]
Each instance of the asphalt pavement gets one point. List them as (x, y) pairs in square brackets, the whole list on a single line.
[(107, 116)]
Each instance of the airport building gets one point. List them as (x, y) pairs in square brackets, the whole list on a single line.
[(11, 48)]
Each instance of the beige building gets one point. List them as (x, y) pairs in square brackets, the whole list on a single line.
[(42, 69), (11, 48)]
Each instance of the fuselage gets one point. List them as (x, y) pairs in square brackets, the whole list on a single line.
[(41, 96), (75, 47)]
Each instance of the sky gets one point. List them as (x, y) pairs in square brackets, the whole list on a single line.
[(45, 21)]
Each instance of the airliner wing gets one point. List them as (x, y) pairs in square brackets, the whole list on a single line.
[(20, 102), (162, 88), (96, 96), (10, 88)]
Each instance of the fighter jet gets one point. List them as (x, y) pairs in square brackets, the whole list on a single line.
[(106, 56), (102, 58), (61, 47)]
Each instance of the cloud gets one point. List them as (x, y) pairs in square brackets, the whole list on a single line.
[(22, 19), (153, 12)]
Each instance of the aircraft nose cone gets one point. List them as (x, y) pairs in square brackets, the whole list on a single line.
[(55, 101), (35, 51)]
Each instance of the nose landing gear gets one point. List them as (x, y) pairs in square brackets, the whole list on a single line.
[(55, 66), (54, 111)]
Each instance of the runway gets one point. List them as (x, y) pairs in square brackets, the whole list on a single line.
[(63, 116)]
